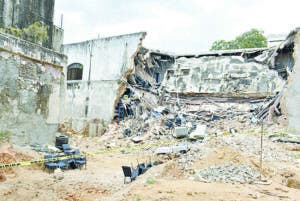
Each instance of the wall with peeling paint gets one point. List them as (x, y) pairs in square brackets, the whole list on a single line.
[(31, 91), (106, 60)]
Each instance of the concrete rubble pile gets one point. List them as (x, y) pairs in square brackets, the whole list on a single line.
[(219, 92), (272, 152), (228, 173)]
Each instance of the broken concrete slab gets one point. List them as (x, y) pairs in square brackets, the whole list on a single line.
[(137, 139), (180, 132), (199, 133), (183, 148)]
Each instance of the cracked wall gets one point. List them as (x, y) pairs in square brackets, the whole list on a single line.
[(31, 91), (105, 61)]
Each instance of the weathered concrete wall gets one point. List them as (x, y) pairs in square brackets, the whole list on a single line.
[(293, 91), (57, 39), (111, 57), (102, 96), (31, 91), (6, 7), (22, 13), (223, 75)]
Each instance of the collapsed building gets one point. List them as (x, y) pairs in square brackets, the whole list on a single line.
[(116, 77)]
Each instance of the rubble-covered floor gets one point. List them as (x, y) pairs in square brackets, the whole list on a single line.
[(179, 177)]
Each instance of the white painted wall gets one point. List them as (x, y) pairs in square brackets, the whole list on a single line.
[(110, 58), (109, 55)]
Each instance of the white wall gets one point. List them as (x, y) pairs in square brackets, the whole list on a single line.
[(111, 57)]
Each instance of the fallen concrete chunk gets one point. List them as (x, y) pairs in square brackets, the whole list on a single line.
[(172, 149), (199, 133), (180, 132), (159, 109), (137, 139), (53, 148), (164, 150), (58, 174)]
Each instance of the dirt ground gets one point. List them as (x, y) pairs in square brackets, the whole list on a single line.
[(103, 177)]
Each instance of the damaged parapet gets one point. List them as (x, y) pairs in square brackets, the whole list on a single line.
[(31, 91)]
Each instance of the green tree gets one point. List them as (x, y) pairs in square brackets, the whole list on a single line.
[(250, 39)]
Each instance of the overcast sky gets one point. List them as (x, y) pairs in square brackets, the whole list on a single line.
[(180, 26)]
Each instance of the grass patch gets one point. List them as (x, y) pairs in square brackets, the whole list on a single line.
[(296, 156), (5, 136), (150, 181), (138, 198)]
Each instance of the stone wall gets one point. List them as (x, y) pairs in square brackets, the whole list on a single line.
[(25, 12), (222, 75), (31, 91)]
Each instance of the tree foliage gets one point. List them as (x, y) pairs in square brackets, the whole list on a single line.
[(250, 39)]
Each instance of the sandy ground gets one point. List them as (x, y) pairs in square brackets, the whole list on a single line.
[(103, 178)]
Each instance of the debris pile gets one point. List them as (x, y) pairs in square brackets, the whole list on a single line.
[(228, 173), (272, 152)]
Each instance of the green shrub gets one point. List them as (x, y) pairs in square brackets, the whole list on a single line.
[(15, 31), (36, 32), (138, 198), (5, 136), (150, 181)]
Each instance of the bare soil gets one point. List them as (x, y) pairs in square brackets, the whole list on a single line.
[(103, 177)]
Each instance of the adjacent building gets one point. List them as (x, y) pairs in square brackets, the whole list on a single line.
[(22, 13)]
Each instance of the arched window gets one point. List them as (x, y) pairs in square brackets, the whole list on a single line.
[(75, 71)]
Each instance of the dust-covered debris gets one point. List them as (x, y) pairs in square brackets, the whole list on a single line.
[(228, 173)]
